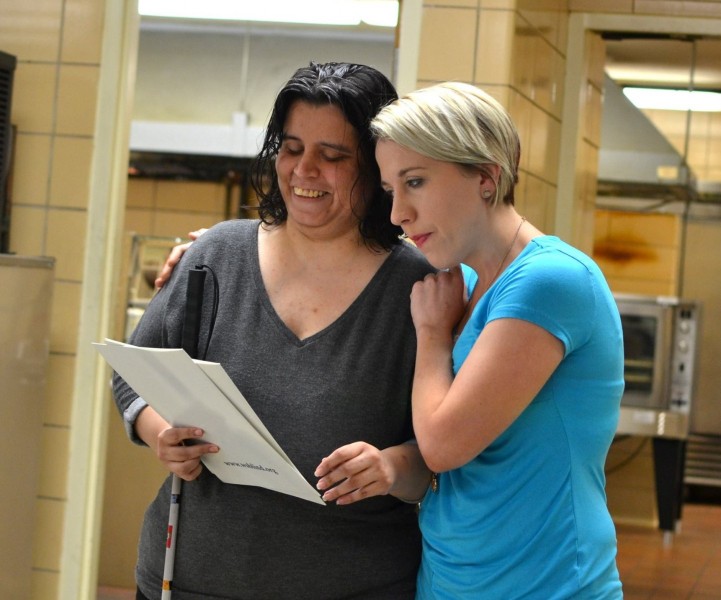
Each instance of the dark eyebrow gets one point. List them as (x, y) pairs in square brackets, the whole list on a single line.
[(337, 147)]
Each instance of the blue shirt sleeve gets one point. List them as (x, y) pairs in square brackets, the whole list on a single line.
[(552, 290)]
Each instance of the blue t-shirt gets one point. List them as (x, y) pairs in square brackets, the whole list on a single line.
[(527, 518)]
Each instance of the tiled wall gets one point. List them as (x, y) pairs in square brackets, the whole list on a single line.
[(639, 253), (704, 139), (168, 208), (58, 47), (678, 8), (514, 50)]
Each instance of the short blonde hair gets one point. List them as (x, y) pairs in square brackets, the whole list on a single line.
[(458, 123)]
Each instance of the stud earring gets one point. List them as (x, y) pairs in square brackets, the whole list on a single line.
[(486, 194)]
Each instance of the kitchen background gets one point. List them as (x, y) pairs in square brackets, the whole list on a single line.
[(107, 214)]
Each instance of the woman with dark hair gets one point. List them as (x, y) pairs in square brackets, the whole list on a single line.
[(357, 91), (314, 328)]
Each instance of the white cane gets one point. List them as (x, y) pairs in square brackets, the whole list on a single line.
[(176, 488), (191, 330)]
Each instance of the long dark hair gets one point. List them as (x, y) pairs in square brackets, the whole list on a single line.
[(359, 92)]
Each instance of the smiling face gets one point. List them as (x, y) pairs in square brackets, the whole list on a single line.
[(438, 204), (317, 167)]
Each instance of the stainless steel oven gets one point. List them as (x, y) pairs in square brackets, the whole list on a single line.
[(659, 342)]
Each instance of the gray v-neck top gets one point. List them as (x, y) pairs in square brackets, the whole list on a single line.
[(349, 382)]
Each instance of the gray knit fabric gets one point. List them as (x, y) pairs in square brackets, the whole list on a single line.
[(349, 382)]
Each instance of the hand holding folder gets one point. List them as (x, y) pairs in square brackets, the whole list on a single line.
[(193, 393)]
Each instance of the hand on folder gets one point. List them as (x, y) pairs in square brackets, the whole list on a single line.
[(180, 449), (173, 384)]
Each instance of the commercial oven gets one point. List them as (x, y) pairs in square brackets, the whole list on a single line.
[(660, 354)]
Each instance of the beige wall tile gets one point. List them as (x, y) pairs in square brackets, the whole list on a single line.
[(70, 176), (700, 124), (714, 149), (499, 4), (584, 206), (601, 230), (713, 174), (543, 145), (647, 229), (33, 97), (525, 40), (542, 73), (596, 60), (77, 94), (31, 30), (190, 196), (48, 534), (551, 195), (495, 47), (31, 167), (630, 484), (545, 16), (66, 242), (447, 44), (54, 462), (129, 499), (27, 230), (139, 220), (521, 195), (178, 224), (562, 40), (715, 125), (82, 31), (698, 154), (65, 318), (681, 9), (637, 262), (45, 585), (548, 77), (651, 287), (532, 201), (59, 397), (141, 192), (592, 112), (502, 93), (607, 6), (454, 3), (520, 108)]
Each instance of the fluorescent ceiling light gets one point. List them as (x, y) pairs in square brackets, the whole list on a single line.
[(383, 13), (663, 99)]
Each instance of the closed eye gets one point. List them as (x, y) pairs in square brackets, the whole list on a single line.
[(334, 157), (292, 149)]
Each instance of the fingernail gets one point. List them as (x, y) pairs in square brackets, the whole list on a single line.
[(213, 449), (198, 432)]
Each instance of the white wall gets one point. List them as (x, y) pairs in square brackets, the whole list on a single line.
[(203, 76)]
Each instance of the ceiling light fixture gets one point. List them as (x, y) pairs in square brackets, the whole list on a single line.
[(381, 13), (663, 99)]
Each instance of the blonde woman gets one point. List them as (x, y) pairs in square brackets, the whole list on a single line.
[(517, 385)]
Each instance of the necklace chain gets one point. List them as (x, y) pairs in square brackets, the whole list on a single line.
[(505, 256), (470, 305)]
